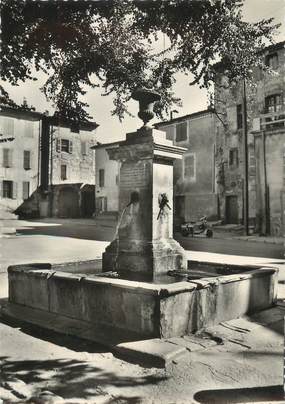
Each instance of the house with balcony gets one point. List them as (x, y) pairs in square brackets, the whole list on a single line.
[(266, 144), (20, 156)]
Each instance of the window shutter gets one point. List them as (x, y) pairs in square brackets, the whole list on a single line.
[(5, 157), (83, 148), (57, 147), (181, 131), (70, 147), (8, 127), (29, 129), (14, 190), (232, 117), (1, 189), (10, 158)]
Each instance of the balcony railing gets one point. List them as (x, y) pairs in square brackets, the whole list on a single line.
[(272, 120)]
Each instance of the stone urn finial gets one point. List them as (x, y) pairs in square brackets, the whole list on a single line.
[(146, 100)]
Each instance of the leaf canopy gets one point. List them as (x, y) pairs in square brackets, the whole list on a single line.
[(113, 45)]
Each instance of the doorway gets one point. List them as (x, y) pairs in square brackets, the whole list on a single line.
[(231, 209), (68, 203), (87, 203)]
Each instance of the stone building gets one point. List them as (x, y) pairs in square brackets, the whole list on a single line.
[(67, 180), (266, 113), (19, 165), (194, 175)]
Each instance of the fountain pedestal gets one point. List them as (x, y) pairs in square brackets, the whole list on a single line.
[(144, 247)]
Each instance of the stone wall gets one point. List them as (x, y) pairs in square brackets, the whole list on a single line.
[(80, 161), (229, 135)]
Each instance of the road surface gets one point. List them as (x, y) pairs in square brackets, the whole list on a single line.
[(218, 244)]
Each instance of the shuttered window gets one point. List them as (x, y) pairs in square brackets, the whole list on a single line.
[(233, 157), (83, 148), (27, 160), (7, 158), (64, 145), (101, 178), (29, 129), (239, 116), (63, 172), (8, 127), (181, 131), (7, 189), (26, 189), (190, 167)]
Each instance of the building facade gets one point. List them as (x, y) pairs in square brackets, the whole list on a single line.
[(67, 168), (20, 158), (107, 179), (194, 175), (265, 102)]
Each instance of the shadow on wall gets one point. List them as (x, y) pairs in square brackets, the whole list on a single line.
[(251, 395)]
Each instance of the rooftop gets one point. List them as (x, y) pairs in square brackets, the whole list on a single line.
[(20, 112), (105, 145), (184, 117)]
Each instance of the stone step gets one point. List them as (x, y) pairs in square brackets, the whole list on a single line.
[(7, 230)]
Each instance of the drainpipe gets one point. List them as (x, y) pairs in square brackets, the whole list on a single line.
[(245, 149), (51, 170), (266, 224), (39, 155)]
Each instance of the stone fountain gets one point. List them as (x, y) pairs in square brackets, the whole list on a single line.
[(144, 287), (144, 248)]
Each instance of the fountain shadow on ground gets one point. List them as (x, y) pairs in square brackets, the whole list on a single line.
[(72, 378)]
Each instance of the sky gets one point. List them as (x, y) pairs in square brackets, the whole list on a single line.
[(194, 99)]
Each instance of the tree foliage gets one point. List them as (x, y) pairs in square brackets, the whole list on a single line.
[(111, 45)]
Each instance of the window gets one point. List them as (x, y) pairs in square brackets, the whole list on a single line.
[(26, 189), (181, 131), (7, 158), (272, 61), (189, 169), (8, 189), (233, 157), (28, 129), (273, 103), (8, 127), (63, 172), (101, 178), (83, 148), (64, 145), (117, 179), (239, 116), (169, 130), (27, 160)]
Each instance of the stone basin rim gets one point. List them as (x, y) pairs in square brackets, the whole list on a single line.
[(47, 271)]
